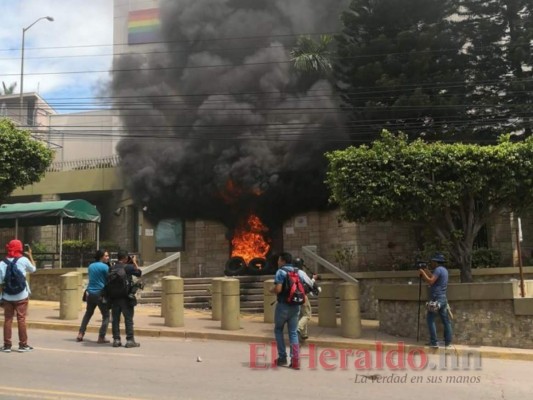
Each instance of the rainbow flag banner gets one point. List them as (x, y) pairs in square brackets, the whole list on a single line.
[(144, 26)]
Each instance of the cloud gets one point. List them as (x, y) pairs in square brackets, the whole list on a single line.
[(79, 39)]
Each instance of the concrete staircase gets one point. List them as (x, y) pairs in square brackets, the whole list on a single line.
[(197, 295)]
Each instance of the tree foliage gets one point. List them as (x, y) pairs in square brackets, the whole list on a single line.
[(9, 89), (396, 61), (453, 188), (437, 67), (23, 160), (498, 38), (312, 56)]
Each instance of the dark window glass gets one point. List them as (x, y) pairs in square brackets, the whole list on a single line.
[(169, 235)]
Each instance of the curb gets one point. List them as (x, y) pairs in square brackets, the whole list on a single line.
[(362, 345)]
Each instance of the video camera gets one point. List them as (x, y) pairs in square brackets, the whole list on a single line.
[(421, 264)]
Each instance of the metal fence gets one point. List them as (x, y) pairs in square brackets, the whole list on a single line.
[(93, 163)]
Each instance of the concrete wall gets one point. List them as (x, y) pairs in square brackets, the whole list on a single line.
[(365, 247), (79, 135), (44, 284), (69, 182), (485, 314), (369, 281)]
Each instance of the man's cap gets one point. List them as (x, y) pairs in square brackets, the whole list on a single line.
[(438, 257), (298, 262)]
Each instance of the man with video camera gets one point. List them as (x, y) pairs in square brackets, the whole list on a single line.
[(310, 287), (438, 304), (118, 291)]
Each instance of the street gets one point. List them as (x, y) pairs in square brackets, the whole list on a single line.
[(60, 368)]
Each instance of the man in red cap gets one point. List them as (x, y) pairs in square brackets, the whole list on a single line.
[(15, 298)]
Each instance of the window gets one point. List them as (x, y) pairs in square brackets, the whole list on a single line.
[(169, 235)]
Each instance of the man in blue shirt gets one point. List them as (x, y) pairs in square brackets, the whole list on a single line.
[(438, 283), (286, 313), (98, 271)]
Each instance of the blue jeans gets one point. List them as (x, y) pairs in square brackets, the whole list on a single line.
[(286, 314), (444, 317)]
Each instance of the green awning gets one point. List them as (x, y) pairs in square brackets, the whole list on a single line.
[(48, 213)]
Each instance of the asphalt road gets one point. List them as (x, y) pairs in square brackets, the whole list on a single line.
[(60, 368)]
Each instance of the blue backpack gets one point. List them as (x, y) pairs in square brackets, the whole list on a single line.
[(14, 281)]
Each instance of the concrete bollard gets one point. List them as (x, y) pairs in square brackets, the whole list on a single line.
[(69, 297), (350, 310), (231, 305), (173, 290), (163, 301), (79, 275), (269, 301), (327, 309), (216, 298)]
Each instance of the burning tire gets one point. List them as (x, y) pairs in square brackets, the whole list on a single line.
[(235, 266), (257, 266)]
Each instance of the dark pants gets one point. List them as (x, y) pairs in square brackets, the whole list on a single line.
[(95, 300), (122, 306)]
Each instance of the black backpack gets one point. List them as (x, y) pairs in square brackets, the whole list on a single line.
[(118, 283), (293, 292), (14, 281)]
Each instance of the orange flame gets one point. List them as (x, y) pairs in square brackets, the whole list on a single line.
[(231, 192), (248, 241)]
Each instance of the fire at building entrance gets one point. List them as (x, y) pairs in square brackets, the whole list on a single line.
[(250, 249)]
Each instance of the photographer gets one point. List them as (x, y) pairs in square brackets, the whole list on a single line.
[(438, 282), (310, 286), (15, 297), (119, 287), (98, 271)]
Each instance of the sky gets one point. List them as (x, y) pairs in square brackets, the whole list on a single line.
[(79, 39)]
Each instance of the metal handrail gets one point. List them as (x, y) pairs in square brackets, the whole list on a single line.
[(165, 261), (310, 251)]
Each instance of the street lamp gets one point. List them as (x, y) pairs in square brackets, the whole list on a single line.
[(22, 65)]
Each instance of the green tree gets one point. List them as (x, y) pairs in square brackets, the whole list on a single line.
[(23, 160), (452, 188), (499, 34), (431, 67), (400, 66), (310, 56)]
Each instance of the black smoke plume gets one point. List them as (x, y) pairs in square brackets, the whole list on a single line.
[(218, 123)]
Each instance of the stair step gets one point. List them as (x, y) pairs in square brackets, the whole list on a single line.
[(197, 294)]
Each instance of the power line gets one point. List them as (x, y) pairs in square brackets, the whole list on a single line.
[(229, 49), (189, 41)]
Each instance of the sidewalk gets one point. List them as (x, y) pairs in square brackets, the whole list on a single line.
[(199, 325)]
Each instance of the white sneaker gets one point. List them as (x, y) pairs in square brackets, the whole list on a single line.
[(25, 348)]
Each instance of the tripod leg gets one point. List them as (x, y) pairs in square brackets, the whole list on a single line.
[(418, 315)]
